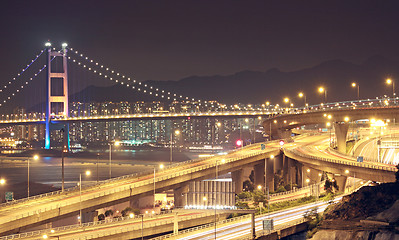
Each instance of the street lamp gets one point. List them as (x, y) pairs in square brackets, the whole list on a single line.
[(328, 124), (177, 132), (389, 82), (35, 157), (87, 173), (222, 161), (117, 143), (323, 90), (302, 95), (266, 188), (161, 166), (358, 89), (2, 182), (287, 101)]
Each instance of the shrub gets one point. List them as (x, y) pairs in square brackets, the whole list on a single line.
[(281, 189)]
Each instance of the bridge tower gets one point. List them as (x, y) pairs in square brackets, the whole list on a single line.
[(57, 93)]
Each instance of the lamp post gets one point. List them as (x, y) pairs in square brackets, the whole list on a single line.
[(64, 150), (287, 101), (302, 95), (142, 226), (80, 195), (2, 182), (358, 89), (389, 82), (35, 157), (328, 124), (177, 132), (160, 167), (323, 90), (117, 143), (266, 188), (216, 194)]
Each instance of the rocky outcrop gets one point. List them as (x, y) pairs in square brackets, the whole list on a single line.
[(372, 213), (354, 235)]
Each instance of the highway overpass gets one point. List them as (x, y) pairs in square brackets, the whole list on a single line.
[(19, 215), (280, 125)]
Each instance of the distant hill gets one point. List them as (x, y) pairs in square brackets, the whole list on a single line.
[(273, 85)]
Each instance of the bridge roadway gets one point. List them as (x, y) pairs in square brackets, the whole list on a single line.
[(125, 227), (240, 227), (39, 210), (137, 116), (314, 152), (20, 214)]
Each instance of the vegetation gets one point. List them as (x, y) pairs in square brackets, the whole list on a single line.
[(101, 217), (256, 198), (330, 185), (314, 220), (109, 212)]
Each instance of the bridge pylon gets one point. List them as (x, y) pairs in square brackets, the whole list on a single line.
[(57, 93)]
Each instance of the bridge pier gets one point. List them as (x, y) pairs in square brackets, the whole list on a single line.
[(179, 195), (259, 175), (239, 176), (341, 129), (312, 174), (283, 133), (270, 173), (341, 181), (290, 173)]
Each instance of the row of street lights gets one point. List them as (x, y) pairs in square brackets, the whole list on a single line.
[(323, 90)]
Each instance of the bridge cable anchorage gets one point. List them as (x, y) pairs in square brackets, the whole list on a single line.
[(145, 88), (9, 97), (23, 70)]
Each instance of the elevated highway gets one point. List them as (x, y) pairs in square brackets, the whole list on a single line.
[(307, 150), (280, 125), (18, 215)]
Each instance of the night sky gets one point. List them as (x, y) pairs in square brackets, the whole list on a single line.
[(170, 40)]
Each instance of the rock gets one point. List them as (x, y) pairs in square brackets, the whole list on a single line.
[(354, 235), (390, 215)]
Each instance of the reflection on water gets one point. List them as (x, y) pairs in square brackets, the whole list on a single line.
[(47, 170)]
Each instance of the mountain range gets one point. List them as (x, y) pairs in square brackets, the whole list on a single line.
[(272, 85)]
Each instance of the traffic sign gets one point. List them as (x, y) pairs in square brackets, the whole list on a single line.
[(262, 146), (9, 196), (268, 224)]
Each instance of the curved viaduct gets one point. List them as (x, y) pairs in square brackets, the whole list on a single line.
[(280, 126)]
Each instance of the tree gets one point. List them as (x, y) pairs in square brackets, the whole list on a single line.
[(259, 196), (101, 217), (109, 212), (248, 186), (329, 185)]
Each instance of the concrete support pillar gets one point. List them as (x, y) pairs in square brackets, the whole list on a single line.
[(278, 163), (341, 182), (259, 174), (341, 129), (283, 133), (179, 195), (89, 216), (238, 180), (286, 169), (175, 224), (299, 175), (134, 202), (270, 174), (312, 174)]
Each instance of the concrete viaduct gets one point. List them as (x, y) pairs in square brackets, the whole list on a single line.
[(280, 126)]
